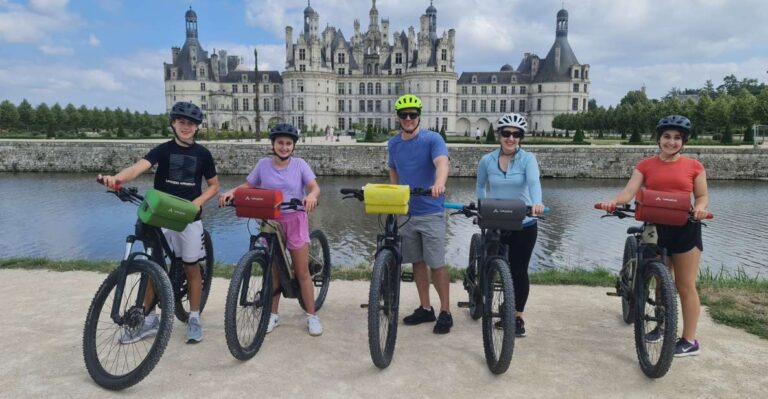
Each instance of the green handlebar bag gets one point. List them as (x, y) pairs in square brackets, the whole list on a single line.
[(165, 210)]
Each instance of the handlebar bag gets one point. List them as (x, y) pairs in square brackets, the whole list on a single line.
[(661, 207), (165, 210), (258, 203), (501, 214), (389, 199)]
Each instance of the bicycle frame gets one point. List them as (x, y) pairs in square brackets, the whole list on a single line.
[(647, 237)]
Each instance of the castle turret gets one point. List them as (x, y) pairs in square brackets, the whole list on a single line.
[(191, 19)]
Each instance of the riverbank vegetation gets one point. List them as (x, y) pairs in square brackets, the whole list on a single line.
[(733, 299)]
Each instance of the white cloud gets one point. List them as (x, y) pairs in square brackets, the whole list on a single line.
[(93, 40), (48, 6), (55, 50), (37, 23)]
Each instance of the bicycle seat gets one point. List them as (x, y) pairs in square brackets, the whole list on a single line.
[(635, 230)]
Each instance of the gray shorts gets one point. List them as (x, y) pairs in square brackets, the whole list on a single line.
[(424, 239)]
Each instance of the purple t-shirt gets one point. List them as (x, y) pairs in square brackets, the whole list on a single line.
[(291, 180)]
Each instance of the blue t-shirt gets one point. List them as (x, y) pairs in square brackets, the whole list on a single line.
[(520, 181), (413, 160)]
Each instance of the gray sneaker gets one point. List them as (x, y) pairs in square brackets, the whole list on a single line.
[(194, 330), (147, 329)]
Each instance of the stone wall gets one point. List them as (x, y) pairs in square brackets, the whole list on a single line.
[(370, 160)]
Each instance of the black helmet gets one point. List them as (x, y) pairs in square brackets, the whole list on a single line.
[(187, 110), (284, 129), (676, 122)]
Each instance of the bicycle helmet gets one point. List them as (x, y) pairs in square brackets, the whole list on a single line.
[(186, 110), (408, 101), (284, 129), (676, 122), (512, 120)]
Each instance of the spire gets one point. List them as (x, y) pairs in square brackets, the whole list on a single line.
[(432, 15), (374, 18), (191, 19), (562, 23)]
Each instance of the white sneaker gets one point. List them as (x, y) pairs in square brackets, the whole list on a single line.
[(314, 326), (274, 321)]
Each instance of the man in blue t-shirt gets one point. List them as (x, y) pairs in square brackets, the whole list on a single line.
[(419, 158)]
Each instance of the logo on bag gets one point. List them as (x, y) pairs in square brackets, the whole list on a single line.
[(247, 198), (666, 199)]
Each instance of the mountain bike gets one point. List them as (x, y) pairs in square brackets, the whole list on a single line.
[(384, 295), (648, 295), (249, 298), (116, 365), (488, 279)]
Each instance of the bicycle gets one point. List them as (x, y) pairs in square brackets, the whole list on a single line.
[(111, 363), (648, 295), (488, 279), (384, 294), (249, 298)]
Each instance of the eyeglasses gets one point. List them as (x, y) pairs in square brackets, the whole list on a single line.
[(516, 134), (407, 115)]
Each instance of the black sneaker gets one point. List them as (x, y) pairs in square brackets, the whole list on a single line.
[(684, 348), (419, 316), (444, 323), (654, 335), (519, 327)]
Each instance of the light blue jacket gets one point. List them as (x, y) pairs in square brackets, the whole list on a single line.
[(521, 180)]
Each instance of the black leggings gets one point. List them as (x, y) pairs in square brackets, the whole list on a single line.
[(521, 245)]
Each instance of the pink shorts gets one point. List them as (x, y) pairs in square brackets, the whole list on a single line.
[(296, 227)]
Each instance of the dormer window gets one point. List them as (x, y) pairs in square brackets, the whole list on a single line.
[(243, 78), (265, 78), (474, 78), (493, 79)]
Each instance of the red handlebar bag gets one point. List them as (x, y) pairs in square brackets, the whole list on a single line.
[(661, 207), (258, 203)]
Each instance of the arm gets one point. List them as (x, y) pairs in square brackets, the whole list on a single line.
[(393, 177), (310, 201), (701, 196), (127, 174), (210, 192), (532, 178), (626, 195), (441, 175), (227, 196), (482, 179)]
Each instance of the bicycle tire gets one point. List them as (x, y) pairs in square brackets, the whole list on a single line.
[(472, 286), (383, 304), (655, 358), (498, 343), (319, 268), (206, 273), (251, 269), (114, 374), (629, 262)]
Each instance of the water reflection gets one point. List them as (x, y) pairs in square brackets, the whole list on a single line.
[(68, 216)]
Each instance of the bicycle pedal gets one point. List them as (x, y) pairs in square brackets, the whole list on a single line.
[(463, 304), (406, 277), (364, 305), (612, 294)]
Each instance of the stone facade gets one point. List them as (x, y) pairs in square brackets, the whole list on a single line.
[(371, 160), (330, 81)]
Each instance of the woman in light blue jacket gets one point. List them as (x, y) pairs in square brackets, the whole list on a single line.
[(513, 173)]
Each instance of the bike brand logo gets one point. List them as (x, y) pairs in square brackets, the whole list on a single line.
[(247, 198), (666, 199), (497, 210)]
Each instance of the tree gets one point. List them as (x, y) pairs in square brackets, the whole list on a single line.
[(73, 118), (369, 134), (744, 109), (26, 115), (442, 133), (44, 119), (58, 119), (109, 119), (9, 116), (85, 117), (578, 137), (490, 136), (97, 119), (761, 108), (727, 135), (634, 97), (708, 90)]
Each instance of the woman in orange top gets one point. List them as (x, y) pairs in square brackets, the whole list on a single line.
[(669, 171)]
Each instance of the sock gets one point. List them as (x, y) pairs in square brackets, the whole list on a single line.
[(195, 315)]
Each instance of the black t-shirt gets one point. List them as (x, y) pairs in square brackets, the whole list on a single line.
[(180, 170)]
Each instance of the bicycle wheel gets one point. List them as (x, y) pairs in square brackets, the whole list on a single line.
[(498, 316), (247, 309), (181, 290), (383, 304), (319, 267), (471, 280), (628, 265), (115, 365), (655, 320)]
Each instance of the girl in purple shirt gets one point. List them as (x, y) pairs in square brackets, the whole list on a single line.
[(293, 177)]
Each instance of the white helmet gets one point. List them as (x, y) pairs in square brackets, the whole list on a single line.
[(512, 120)]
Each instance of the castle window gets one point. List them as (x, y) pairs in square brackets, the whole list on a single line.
[(575, 87), (245, 88), (503, 106), (538, 104), (302, 68), (234, 88), (362, 88), (575, 104), (576, 73), (539, 88), (265, 78), (523, 89), (245, 104), (398, 71), (503, 90), (340, 88), (445, 105), (342, 71), (442, 68), (266, 104), (437, 86), (483, 90), (378, 88), (302, 54), (521, 106), (474, 78), (202, 72), (463, 89), (444, 54), (585, 87), (202, 86), (277, 104), (341, 105), (445, 86), (493, 105), (483, 106), (474, 106), (464, 106), (300, 83), (361, 107), (301, 104), (493, 89), (370, 88), (398, 58), (493, 79), (474, 89), (342, 58)]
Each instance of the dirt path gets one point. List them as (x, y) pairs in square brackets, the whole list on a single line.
[(577, 346)]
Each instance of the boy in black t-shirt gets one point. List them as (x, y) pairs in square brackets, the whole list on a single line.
[(181, 166)]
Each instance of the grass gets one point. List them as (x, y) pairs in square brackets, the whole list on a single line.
[(733, 298)]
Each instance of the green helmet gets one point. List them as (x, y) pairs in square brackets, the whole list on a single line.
[(407, 101)]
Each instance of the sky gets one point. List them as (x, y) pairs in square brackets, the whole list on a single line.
[(110, 53)]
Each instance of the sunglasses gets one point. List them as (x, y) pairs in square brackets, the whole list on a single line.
[(516, 134), (407, 115)]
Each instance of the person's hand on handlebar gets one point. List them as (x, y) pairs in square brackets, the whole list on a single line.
[(700, 214), (608, 206), (438, 190), (226, 198), (110, 181), (537, 209), (310, 202)]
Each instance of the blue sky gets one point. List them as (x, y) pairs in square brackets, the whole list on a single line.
[(110, 52)]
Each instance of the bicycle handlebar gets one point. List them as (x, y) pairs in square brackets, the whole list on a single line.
[(471, 209), (359, 193), (130, 194), (622, 210)]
